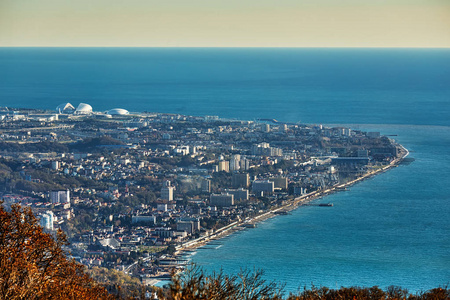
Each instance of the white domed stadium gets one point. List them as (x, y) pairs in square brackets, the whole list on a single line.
[(117, 112), (65, 108), (83, 109)]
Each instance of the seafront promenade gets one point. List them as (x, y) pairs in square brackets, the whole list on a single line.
[(291, 205)]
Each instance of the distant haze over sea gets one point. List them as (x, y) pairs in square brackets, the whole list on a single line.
[(392, 229), (370, 86)]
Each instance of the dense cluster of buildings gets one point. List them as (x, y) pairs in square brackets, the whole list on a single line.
[(129, 185)]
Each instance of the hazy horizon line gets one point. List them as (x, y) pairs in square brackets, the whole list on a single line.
[(232, 47)]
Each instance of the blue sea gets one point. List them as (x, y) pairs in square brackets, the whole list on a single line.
[(393, 229)]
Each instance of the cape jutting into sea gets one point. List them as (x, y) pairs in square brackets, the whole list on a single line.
[(392, 229)]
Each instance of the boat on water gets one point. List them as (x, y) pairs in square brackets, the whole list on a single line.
[(326, 204)]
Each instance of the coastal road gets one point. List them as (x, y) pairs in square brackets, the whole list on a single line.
[(295, 202)]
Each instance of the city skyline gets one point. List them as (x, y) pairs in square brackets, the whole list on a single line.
[(286, 23)]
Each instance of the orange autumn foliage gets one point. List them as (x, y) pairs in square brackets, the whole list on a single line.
[(33, 264)]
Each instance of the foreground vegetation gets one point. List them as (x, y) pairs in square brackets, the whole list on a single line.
[(33, 265), (195, 284)]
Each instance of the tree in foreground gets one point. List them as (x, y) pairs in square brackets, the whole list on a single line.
[(33, 264), (196, 284)]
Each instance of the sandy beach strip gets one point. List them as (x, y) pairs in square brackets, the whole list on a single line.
[(291, 205)]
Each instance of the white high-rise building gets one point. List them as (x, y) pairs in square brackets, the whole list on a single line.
[(65, 196), (244, 164), (60, 196), (167, 191), (224, 200), (263, 186), (206, 186), (235, 162), (265, 128), (280, 182), (224, 165), (240, 180), (55, 165), (47, 220), (238, 194)]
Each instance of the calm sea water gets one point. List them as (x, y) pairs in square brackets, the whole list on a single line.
[(310, 85), (391, 229)]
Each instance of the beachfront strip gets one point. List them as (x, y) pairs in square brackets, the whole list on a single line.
[(134, 190)]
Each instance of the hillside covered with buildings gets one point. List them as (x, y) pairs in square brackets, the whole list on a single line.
[(130, 189)]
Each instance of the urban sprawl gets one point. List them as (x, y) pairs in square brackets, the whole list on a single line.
[(134, 190)]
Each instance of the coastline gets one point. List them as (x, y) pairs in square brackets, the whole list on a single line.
[(179, 258), (291, 205)]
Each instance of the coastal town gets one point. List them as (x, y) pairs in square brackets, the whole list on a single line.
[(134, 191)]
